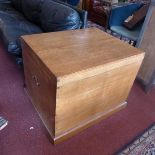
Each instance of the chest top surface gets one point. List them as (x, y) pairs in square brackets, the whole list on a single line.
[(70, 52)]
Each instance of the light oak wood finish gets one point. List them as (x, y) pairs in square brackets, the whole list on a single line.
[(76, 78)]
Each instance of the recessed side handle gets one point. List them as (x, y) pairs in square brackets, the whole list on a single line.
[(36, 80)]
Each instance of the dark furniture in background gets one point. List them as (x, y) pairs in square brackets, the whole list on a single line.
[(99, 12), (24, 17)]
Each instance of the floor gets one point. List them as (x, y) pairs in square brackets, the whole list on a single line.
[(26, 135)]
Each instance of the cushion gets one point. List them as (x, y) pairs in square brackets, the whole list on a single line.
[(17, 4), (58, 17), (82, 13), (119, 14), (137, 17), (32, 10), (12, 26)]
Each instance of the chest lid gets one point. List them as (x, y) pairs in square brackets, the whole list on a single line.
[(77, 54)]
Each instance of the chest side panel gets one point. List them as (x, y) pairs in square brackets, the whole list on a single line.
[(41, 88), (82, 101)]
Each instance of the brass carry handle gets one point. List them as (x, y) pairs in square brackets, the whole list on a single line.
[(36, 80)]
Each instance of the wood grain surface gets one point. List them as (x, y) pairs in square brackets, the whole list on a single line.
[(77, 78)]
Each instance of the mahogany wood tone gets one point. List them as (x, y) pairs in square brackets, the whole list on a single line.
[(85, 5), (99, 12), (76, 78)]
